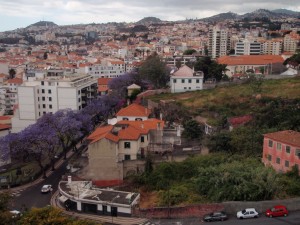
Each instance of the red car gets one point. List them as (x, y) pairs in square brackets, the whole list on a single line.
[(278, 210)]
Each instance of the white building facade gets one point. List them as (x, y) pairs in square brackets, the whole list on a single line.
[(186, 79), (246, 47), (48, 93)]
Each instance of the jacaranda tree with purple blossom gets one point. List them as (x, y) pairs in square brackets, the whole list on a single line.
[(65, 125)]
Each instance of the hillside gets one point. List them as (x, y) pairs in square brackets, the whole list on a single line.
[(148, 20), (43, 24), (233, 100), (234, 161)]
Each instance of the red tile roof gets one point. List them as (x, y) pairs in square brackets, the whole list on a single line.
[(134, 110), (103, 81), (4, 127), (103, 132), (128, 130), (239, 120), (250, 59), (15, 81), (287, 136)]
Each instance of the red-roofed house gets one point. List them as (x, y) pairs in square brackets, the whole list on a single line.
[(133, 112), (114, 150), (281, 150), (242, 63), (103, 85)]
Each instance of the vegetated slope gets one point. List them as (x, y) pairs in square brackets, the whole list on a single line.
[(234, 168), (235, 99)]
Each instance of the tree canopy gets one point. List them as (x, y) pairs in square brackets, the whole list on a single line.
[(154, 70), (211, 69)]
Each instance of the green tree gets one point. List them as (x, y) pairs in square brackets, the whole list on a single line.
[(155, 71), (50, 215), (192, 130), (12, 73), (189, 52)]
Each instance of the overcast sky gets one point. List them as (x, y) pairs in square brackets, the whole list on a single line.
[(21, 13)]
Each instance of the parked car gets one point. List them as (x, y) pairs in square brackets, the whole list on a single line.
[(277, 210), (215, 216), (46, 188), (15, 213), (247, 213)]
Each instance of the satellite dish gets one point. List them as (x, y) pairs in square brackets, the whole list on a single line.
[(113, 121)]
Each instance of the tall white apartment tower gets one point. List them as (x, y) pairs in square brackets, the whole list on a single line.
[(219, 41), (49, 91)]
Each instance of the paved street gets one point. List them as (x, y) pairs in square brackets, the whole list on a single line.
[(292, 219), (32, 196)]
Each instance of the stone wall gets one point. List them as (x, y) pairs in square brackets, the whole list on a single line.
[(178, 212)]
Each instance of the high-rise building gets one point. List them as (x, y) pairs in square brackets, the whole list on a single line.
[(49, 91), (291, 42), (247, 47), (272, 47), (219, 41)]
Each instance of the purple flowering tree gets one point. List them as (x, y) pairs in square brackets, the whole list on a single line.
[(65, 125)]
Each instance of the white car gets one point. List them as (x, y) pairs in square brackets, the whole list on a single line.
[(15, 213), (247, 213), (46, 188)]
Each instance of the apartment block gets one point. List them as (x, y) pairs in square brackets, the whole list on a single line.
[(50, 91)]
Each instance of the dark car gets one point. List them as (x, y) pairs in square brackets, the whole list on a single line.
[(278, 210), (215, 216)]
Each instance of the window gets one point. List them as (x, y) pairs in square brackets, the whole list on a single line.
[(44, 106), (43, 99), (50, 106), (50, 99), (174, 80), (278, 160), (142, 139), (270, 143), (279, 146), (190, 80), (287, 163), (182, 80), (78, 99), (43, 91), (288, 149), (197, 81), (38, 98), (38, 91), (127, 157), (49, 91), (125, 118), (126, 144), (297, 152), (42, 82), (269, 157)]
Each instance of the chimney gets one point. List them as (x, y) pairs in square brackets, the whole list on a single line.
[(69, 179)]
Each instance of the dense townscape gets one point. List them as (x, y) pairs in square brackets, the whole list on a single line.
[(155, 119)]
